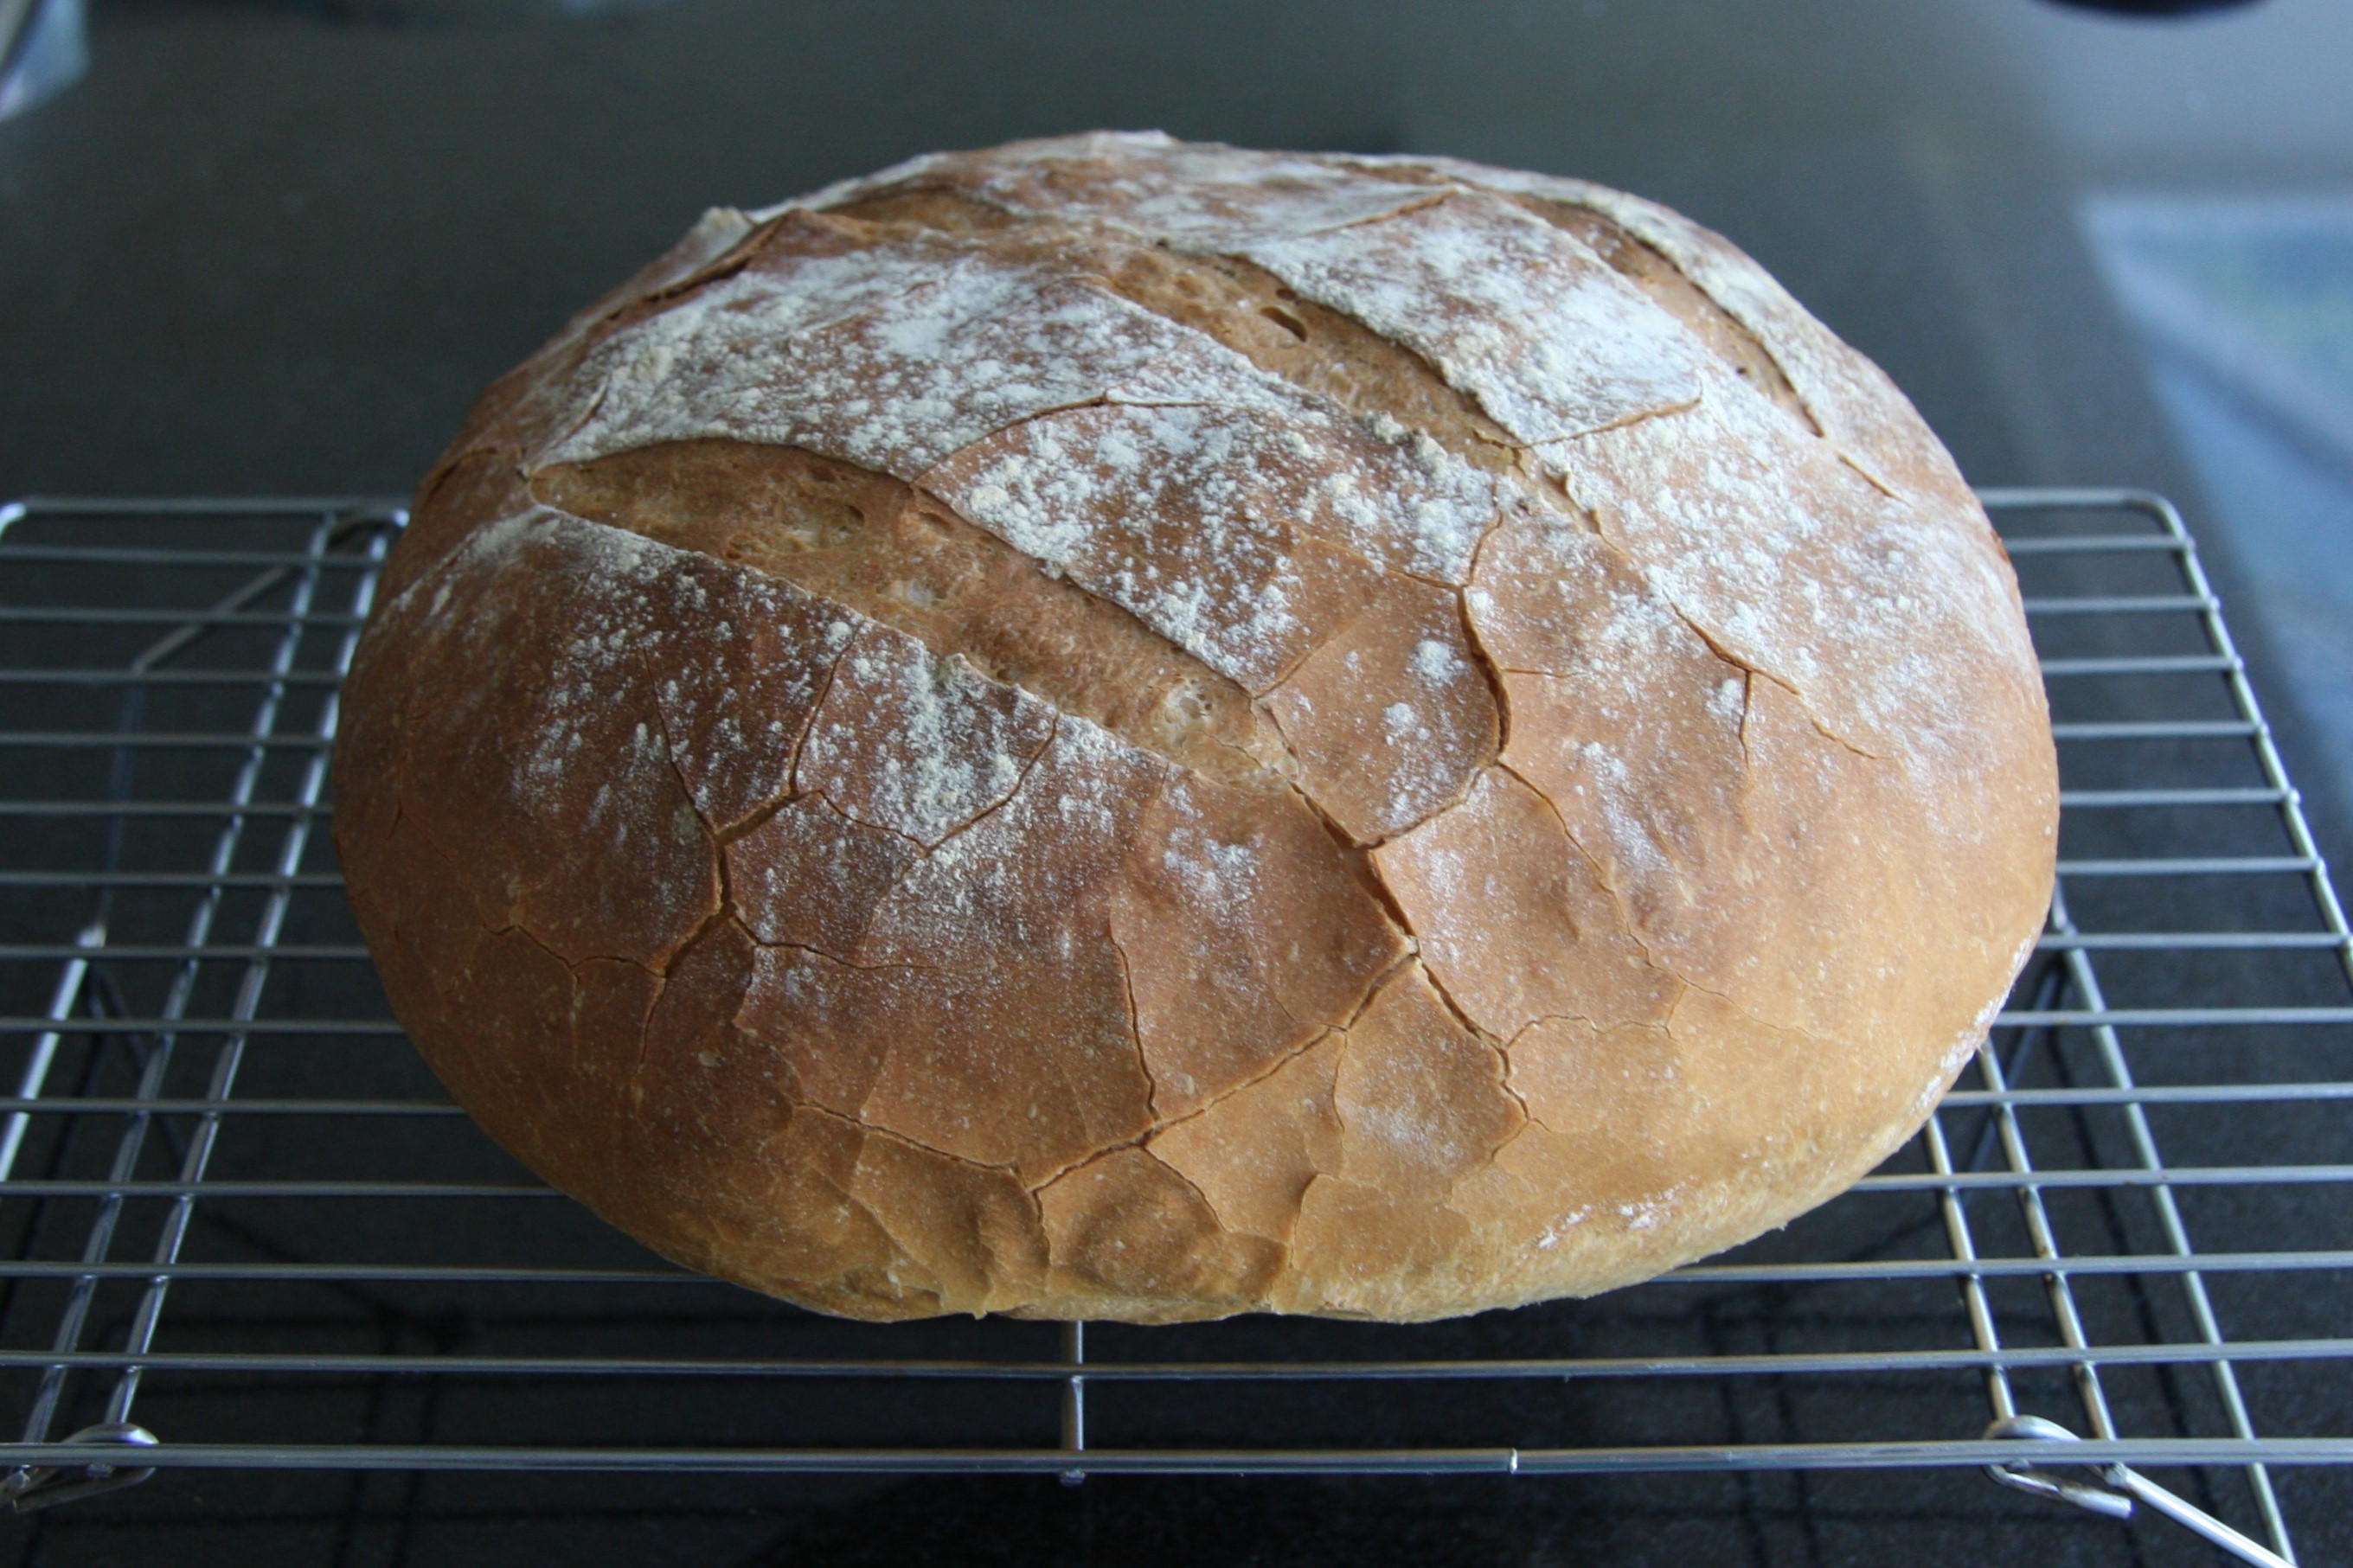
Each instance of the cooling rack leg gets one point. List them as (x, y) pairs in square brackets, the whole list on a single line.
[(291, 848), (45, 1486), (2123, 1486)]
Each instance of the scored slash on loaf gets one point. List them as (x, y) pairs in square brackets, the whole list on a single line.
[(1124, 730)]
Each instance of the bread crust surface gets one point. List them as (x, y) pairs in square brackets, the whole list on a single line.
[(1116, 729)]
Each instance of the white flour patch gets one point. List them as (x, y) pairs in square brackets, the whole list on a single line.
[(1525, 318)]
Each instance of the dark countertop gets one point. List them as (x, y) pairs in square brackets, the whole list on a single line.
[(276, 246)]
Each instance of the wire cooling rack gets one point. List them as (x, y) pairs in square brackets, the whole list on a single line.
[(243, 1228)]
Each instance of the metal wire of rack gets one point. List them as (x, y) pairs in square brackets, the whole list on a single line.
[(234, 1206)]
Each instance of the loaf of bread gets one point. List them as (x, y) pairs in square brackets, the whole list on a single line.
[(1126, 730)]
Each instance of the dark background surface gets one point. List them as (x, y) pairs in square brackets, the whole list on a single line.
[(273, 248)]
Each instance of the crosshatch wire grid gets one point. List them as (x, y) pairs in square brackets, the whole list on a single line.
[(243, 1228)]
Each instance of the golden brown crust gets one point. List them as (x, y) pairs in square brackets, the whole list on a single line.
[(1115, 729)]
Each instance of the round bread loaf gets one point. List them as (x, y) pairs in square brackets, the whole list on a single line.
[(1116, 729)]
